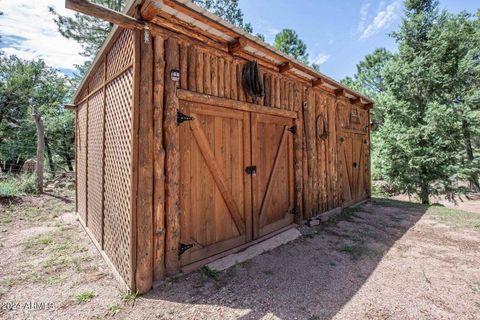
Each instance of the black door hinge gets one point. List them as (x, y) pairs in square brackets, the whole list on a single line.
[(293, 211), (293, 129), (251, 170), (181, 118), (184, 247)]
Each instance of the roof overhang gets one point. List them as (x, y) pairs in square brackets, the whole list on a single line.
[(233, 39)]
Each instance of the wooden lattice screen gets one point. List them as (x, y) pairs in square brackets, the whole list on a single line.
[(104, 175)]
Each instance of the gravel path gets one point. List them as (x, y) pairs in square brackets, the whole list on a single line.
[(384, 260)]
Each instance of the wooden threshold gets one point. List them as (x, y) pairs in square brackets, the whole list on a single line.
[(198, 264), (191, 96)]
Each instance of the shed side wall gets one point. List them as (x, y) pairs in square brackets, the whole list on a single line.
[(104, 155)]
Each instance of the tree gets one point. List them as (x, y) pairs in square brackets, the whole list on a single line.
[(31, 96), (227, 10), (288, 42), (88, 31), (421, 137)]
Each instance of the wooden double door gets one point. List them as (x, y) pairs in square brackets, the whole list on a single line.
[(353, 157), (237, 178)]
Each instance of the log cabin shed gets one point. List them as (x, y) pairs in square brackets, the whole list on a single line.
[(195, 139)]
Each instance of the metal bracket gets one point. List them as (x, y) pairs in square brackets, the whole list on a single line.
[(251, 170), (184, 247), (293, 129), (181, 118)]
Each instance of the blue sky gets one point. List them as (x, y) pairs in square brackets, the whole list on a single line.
[(338, 33)]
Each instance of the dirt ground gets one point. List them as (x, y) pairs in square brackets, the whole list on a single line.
[(386, 259)]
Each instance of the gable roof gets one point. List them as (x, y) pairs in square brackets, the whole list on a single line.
[(201, 20)]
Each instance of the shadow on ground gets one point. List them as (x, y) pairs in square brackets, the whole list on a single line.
[(310, 278)]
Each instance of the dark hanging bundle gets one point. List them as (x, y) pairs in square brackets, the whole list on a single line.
[(251, 80)]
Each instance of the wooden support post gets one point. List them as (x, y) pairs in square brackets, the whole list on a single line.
[(144, 221), (171, 138), (159, 160)]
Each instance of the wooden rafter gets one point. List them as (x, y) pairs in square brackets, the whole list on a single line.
[(237, 45), (285, 67), (317, 82), (101, 12)]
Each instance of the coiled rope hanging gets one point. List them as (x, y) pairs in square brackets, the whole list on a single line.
[(251, 80)]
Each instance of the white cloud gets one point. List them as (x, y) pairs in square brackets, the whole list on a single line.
[(321, 58), (28, 31), (382, 19)]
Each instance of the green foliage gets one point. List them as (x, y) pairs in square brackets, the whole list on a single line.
[(114, 308), (17, 185), (426, 101), (88, 31), (8, 189), (85, 296), (289, 42), (24, 84), (227, 10)]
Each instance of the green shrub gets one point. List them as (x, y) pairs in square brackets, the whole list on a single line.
[(27, 184), (16, 185), (8, 189)]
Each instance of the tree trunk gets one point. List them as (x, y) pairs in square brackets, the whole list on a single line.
[(49, 155), (424, 193), (40, 148), (474, 185)]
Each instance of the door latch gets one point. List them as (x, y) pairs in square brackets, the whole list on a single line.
[(251, 170)]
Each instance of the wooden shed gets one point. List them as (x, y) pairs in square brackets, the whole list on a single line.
[(195, 139)]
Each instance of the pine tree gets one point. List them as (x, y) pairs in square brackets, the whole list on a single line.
[(420, 137), (290, 43)]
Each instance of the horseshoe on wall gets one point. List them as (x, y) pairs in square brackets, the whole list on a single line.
[(322, 131)]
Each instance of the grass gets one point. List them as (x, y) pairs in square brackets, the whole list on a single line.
[(114, 308), (85, 296), (130, 296), (209, 273), (356, 251), (16, 185), (459, 218)]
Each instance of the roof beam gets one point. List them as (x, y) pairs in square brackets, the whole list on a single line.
[(101, 12), (354, 100), (317, 82), (285, 67), (238, 45), (340, 92)]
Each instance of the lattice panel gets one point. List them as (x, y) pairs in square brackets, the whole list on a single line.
[(121, 54), (82, 160), (97, 77), (118, 149), (95, 164)]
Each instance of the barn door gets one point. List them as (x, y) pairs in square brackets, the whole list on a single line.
[(352, 166), (273, 186), (215, 191)]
